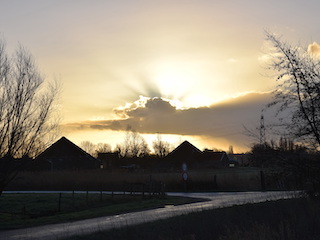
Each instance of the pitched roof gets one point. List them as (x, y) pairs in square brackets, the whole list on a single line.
[(184, 153), (194, 158), (215, 156), (185, 149), (65, 154)]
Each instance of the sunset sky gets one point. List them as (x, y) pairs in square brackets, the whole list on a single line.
[(188, 70)]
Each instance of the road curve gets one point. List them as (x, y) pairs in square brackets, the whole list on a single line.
[(216, 200)]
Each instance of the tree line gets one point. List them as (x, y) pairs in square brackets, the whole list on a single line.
[(133, 146)]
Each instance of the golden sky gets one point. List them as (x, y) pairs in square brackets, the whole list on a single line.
[(186, 69)]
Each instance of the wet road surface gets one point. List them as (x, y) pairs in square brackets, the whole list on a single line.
[(81, 227)]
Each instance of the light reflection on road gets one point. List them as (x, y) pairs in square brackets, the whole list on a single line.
[(216, 200)]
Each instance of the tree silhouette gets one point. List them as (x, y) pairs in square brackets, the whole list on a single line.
[(102, 148), (161, 148), (298, 89), (26, 111), (134, 145), (88, 147)]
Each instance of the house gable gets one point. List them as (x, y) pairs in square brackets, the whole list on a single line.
[(194, 158), (65, 155)]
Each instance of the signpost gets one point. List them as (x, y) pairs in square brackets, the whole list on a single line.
[(184, 175)]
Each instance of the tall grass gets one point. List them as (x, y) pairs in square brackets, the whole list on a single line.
[(206, 180)]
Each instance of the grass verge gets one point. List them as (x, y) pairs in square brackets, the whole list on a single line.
[(293, 219), (27, 210)]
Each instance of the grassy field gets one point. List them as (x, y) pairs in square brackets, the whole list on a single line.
[(295, 219), (25, 210)]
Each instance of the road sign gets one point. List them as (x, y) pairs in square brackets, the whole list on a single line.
[(184, 167), (185, 176)]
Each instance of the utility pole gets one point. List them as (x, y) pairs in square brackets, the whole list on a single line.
[(262, 131)]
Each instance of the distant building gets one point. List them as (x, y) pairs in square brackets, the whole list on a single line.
[(184, 153), (194, 158), (65, 155), (241, 159), (109, 160), (213, 159)]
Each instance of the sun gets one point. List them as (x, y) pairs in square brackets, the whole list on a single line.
[(183, 80), (173, 80)]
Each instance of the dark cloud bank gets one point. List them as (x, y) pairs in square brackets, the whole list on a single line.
[(224, 120)]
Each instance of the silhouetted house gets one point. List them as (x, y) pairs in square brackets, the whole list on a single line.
[(65, 155), (184, 153), (213, 159), (109, 160), (240, 159), (194, 158)]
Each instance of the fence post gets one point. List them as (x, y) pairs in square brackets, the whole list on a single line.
[(215, 185), (24, 210), (262, 180), (87, 198), (73, 199), (59, 202), (143, 190)]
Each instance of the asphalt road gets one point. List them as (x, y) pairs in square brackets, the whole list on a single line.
[(217, 200)]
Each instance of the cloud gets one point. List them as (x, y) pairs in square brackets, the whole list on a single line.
[(314, 48), (264, 58), (224, 120), (146, 107), (232, 60)]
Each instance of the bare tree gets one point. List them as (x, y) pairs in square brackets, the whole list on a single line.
[(230, 150), (26, 111), (134, 145), (298, 90), (297, 99), (103, 148), (94, 149), (161, 148), (88, 146)]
